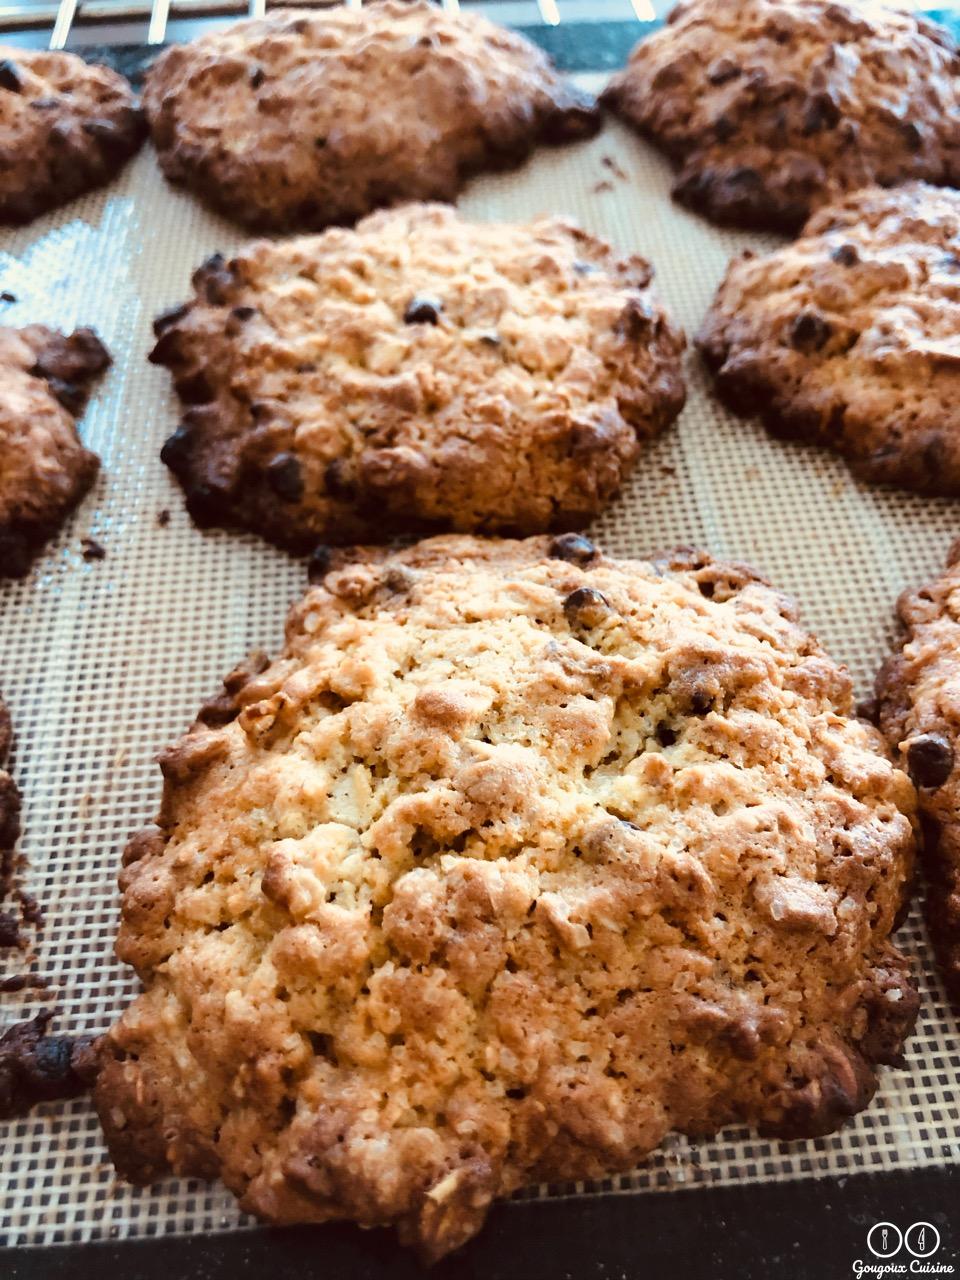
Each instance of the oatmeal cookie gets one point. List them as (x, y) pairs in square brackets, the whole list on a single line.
[(66, 126), (850, 337), (771, 108), (45, 380), (918, 694), (298, 120), (416, 373), (517, 859)]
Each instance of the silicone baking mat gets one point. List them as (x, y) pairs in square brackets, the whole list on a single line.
[(104, 662)]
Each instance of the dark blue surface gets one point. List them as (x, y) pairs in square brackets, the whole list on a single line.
[(814, 1229)]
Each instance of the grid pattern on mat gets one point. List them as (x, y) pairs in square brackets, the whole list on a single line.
[(103, 663)]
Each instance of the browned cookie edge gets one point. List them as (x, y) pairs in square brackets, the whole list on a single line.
[(69, 366)]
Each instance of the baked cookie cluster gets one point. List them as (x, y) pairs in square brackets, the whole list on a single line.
[(515, 860), (518, 858)]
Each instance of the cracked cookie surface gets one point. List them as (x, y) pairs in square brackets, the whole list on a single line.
[(45, 381), (517, 859), (416, 373), (296, 120), (771, 108), (66, 126), (850, 336), (919, 704)]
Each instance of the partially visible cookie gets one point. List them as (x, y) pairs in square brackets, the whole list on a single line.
[(45, 379), (9, 809), (36, 1067), (298, 120), (66, 126), (771, 108), (850, 336), (419, 372), (918, 693), (517, 859)]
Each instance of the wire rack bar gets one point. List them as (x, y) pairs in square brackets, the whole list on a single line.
[(157, 30), (66, 16), (66, 11)]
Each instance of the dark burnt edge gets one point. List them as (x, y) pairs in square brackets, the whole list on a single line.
[(225, 706), (10, 803), (941, 901), (696, 187), (915, 470), (23, 542), (215, 505), (572, 117), (36, 1067), (69, 364), (113, 143), (941, 908)]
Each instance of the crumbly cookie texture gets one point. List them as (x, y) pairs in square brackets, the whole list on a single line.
[(771, 108), (918, 694), (850, 336), (416, 373), (45, 380), (299, 120), (66, 126), (517, 859)]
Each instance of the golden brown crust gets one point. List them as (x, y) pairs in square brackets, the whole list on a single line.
[(918, 691), (850, 336), (417, 373), (516, 859), (45, 380), (772, 108), (66, 126), (298, 120)]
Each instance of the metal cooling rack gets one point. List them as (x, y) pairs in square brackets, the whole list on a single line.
[(76, 23)]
